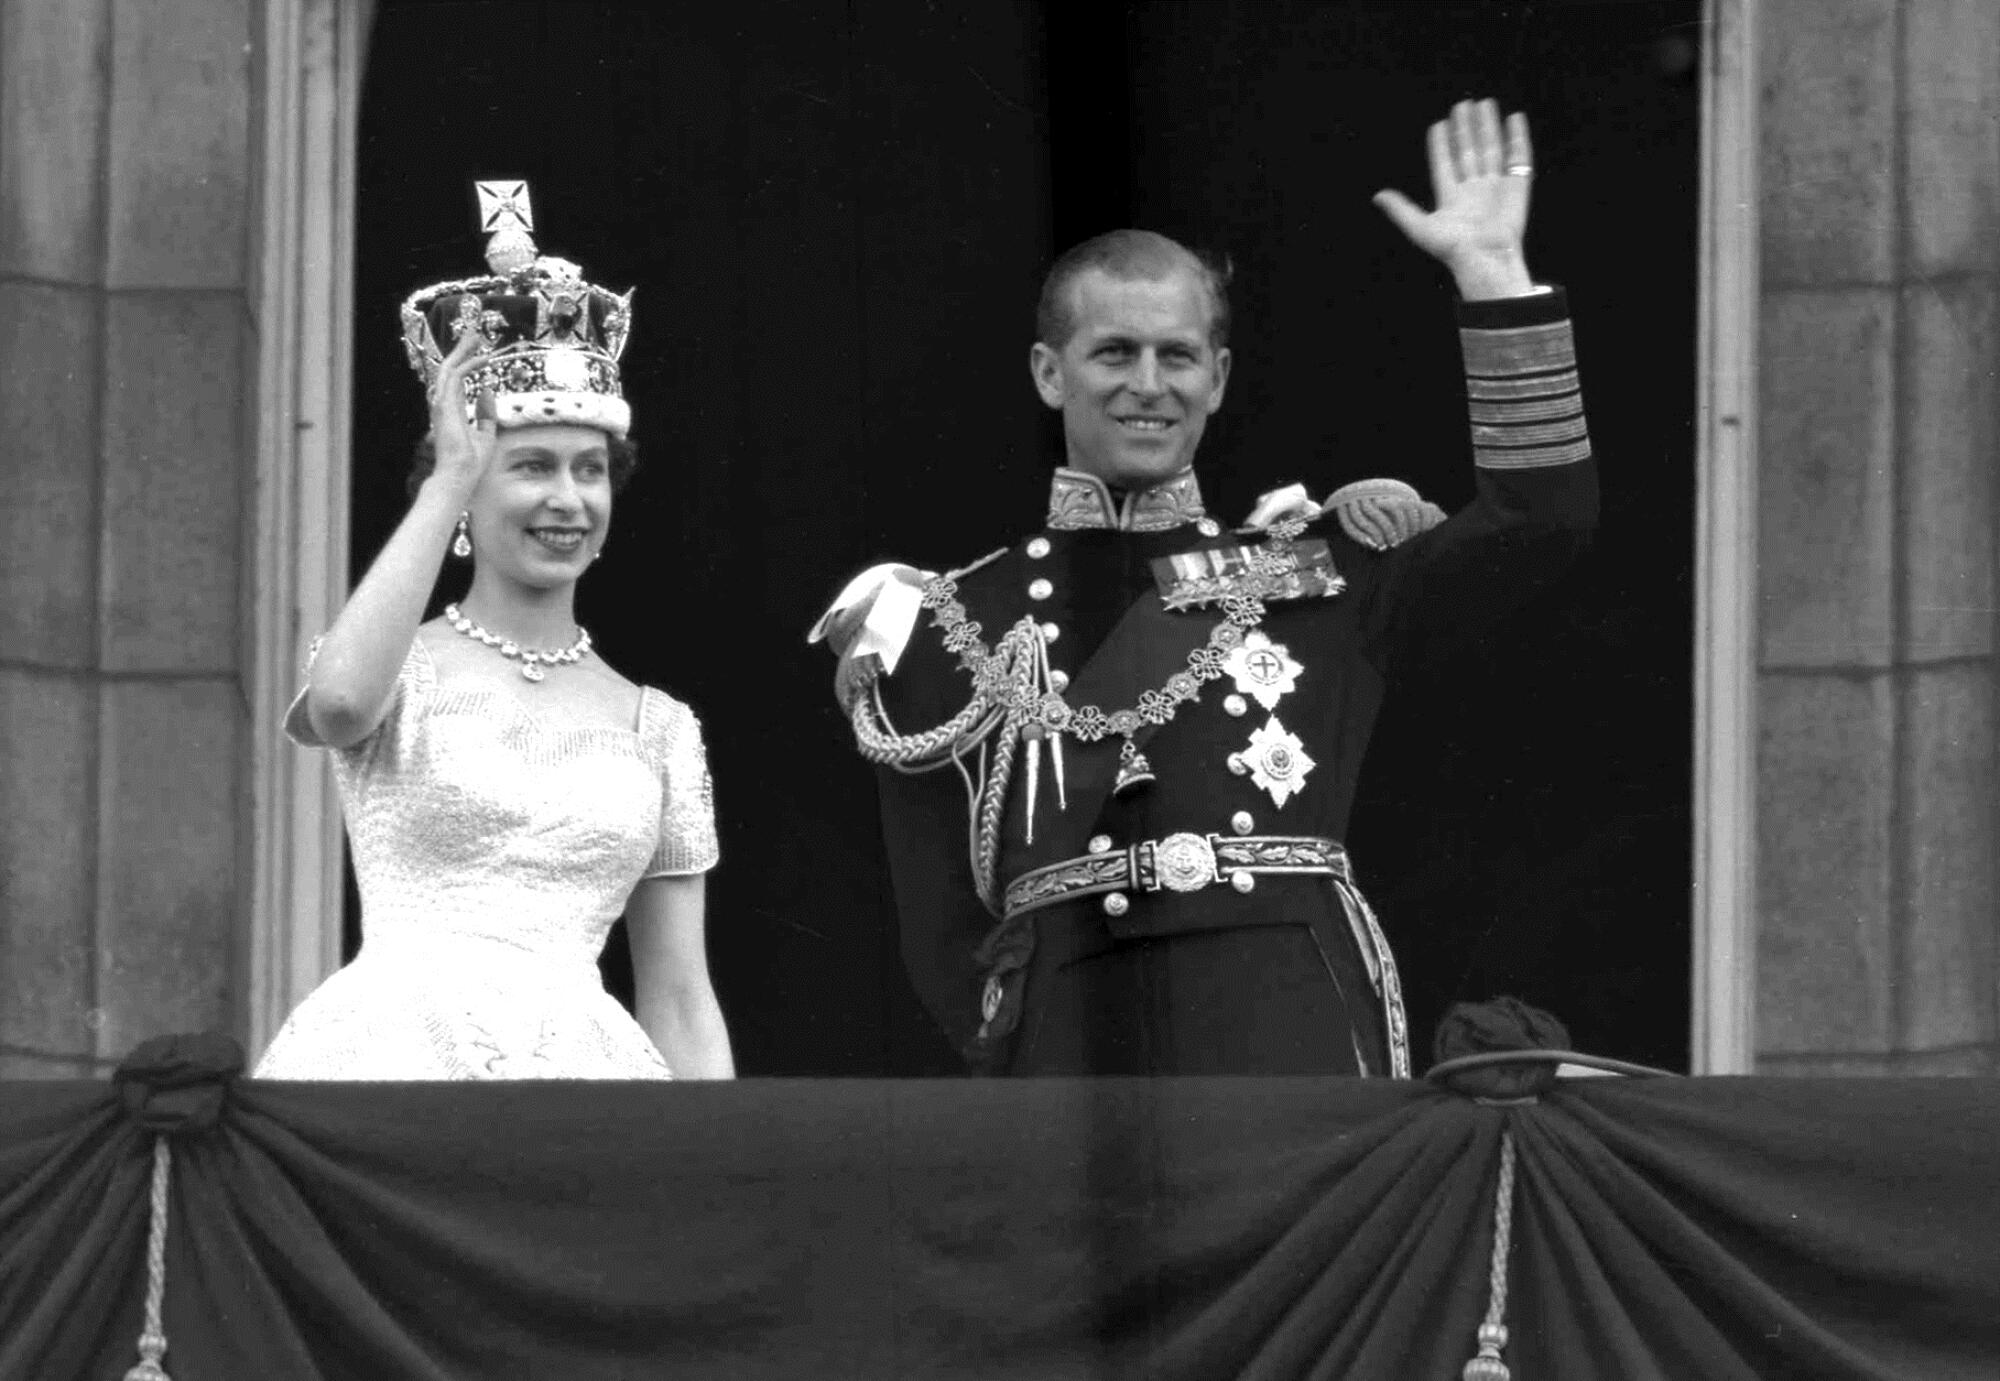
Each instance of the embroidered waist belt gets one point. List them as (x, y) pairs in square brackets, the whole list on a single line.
[(1183, 862)]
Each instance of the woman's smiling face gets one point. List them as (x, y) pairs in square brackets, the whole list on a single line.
[(540, 513)]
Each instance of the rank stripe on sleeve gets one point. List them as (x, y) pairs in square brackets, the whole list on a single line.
[(1525, 402), (1528, 409), (1530, 434), (1538, 386)]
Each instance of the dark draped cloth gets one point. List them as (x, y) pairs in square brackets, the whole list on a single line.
[(1168, 1228)]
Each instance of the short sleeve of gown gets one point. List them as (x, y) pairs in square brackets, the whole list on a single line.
[(414, 683), (687, 843)]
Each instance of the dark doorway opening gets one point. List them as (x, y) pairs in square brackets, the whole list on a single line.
[(837, 216)]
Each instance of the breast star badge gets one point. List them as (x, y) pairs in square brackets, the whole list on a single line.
[(1278, 761), (1263, 669)]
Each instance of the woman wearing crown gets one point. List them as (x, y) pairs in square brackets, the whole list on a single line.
[(507, 794)]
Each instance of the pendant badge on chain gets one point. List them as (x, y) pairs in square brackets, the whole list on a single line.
[(1133, 770)]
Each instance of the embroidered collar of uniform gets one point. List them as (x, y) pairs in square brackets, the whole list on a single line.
[(1078, 500)]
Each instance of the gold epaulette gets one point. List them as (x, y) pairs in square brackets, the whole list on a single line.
[(1382, 513)]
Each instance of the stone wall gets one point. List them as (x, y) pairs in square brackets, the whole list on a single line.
[(1876, 772), (126, 346)]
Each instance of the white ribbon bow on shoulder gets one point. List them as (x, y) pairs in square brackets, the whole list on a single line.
[(875, 613)]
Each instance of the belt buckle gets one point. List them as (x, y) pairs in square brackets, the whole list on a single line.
[(1184, 863)]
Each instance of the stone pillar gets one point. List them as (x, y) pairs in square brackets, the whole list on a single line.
[(1876, 762), (125, 383)]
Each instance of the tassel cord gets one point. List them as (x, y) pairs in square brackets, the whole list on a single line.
[(1488, 1365), (153, 1334)]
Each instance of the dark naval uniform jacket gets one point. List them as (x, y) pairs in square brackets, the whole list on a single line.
[(1192, 911)]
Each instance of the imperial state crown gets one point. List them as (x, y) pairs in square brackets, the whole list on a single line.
[(550, 342)]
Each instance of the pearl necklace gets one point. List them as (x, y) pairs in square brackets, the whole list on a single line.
[(532, 662)]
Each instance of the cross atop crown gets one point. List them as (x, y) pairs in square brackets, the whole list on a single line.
[(504, 205)]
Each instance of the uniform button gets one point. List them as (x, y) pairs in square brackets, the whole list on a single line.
[(1242, 882), (1117, 904), (1100, 843), (1059, 680), (1241, 822), (1038, 547), (1238, 766), (1051, 631), (1208, 527), (1040, 589), (1236, 705)]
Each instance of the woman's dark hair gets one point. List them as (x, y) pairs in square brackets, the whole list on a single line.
[(624, 460)]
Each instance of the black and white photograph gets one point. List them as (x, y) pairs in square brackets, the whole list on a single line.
[(1050, 689)]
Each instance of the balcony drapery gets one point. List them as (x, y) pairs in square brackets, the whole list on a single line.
[(1264, 1228)]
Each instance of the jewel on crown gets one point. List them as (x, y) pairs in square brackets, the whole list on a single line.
[(550, 341)]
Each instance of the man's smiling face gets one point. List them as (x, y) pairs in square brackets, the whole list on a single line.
[(1137, 378)]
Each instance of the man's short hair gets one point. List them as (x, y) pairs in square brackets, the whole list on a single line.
[(1125, 255)]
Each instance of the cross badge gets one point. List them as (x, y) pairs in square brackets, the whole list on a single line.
[(1278, 761), (504, 204), (1263, 669)]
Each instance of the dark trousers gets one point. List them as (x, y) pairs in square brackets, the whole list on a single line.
[(1285, 997)]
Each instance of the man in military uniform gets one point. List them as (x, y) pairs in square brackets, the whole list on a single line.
[(1118, 757)]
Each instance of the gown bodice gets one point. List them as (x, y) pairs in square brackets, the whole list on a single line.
[(495, 848)]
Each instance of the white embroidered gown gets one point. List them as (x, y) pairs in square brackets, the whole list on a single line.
[(494, 851)]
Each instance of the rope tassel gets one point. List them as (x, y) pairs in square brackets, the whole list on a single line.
[(153, 1334), (1487, 1365)]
